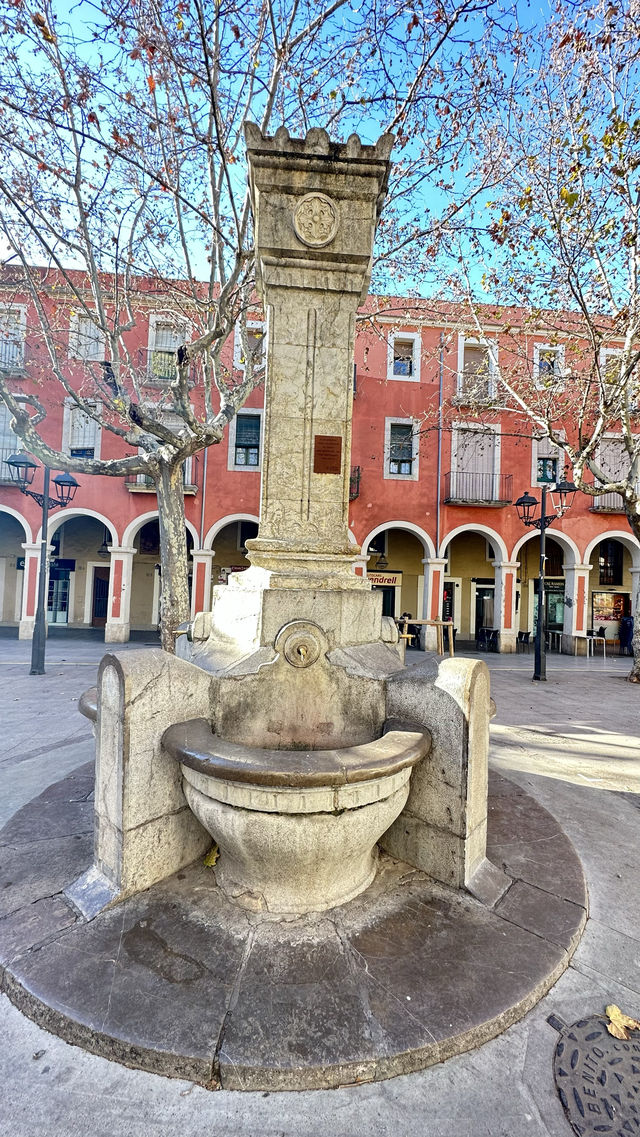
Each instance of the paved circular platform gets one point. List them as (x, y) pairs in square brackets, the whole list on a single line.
[(180, 981)]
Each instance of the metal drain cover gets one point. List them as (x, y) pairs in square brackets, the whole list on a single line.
[(598, 1078)]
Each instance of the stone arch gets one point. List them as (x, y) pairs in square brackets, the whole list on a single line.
[(491, 535), (28, 533), (567, 544), (627, 539), (65, 515), (423, 537), (134, 527), (218, 526)]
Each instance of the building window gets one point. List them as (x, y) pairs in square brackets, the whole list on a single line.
[(80, 433), (9, 442), (548, 364), (256, 344), (610, 562), (477, 369), (12, 330), (244, 441), (86, 341), (546, 466), (403, 359), (165, 337), (475, 465), (401, 449)]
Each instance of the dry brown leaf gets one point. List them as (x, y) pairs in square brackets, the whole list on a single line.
[(620, 1024)]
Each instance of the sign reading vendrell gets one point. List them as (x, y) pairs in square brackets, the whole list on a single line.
[(385, 578)]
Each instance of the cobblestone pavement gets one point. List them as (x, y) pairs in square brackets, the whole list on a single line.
[(571, 742)]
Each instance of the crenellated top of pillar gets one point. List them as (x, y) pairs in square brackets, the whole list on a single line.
[(315, 204)]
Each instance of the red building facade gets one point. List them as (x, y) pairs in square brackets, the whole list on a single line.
[(431, 509)]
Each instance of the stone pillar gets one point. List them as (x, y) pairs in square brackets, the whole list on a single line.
[(432, 599), (316, 204), (504, 611), (30, 589), (201, 581), (576, 600), (118, 623)]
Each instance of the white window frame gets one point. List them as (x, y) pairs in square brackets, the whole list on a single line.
[(476, 428), (75, 348), (238, 359), (559, 455), (492, 348), (69, 407), (21, 310), (181, 328), (558, 350), (408, 337), (231, 452), (395, 420)]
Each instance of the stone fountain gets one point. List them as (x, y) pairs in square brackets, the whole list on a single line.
[(346, 792)]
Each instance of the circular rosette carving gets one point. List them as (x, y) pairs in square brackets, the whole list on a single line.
[(315, 220), (301, 643)]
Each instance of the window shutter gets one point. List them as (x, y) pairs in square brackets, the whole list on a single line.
[(248, 430)]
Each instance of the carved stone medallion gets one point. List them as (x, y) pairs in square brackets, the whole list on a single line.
[(315, 220), (301, 642)]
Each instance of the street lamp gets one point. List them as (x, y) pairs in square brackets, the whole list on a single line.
[(562, 496), (22, 469)]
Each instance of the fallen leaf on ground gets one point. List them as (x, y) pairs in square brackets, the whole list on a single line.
[(620, 1024)]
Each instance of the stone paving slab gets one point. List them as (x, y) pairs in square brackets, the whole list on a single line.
[(179, 981)]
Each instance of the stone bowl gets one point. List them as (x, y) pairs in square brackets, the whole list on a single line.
[(297, 830)]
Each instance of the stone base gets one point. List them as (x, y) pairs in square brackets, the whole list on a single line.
[(180, 981), (116, 633)]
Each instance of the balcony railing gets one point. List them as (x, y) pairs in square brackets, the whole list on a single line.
[(354, 483), (142, 483), (469, 488), (607, 503), (160, 366), (6, 452)]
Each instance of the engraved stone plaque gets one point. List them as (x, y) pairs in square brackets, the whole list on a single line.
[(315, 220), (327, 454)]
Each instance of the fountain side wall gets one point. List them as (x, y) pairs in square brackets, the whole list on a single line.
[(144, 829)]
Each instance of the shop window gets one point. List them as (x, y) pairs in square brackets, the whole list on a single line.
[(610, 562), (403, 360)]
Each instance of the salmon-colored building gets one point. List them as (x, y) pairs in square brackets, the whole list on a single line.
[(433, 486)]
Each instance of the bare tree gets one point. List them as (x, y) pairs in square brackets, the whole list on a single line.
[(123, 179), (553, 253)]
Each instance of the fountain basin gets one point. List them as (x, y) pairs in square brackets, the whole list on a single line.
[(297, 830)]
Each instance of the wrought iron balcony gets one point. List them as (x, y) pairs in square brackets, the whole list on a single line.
[(470, 488), (160, 366), (142, 483), (354, 483), (607, 503)]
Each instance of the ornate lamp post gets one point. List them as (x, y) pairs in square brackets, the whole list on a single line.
[(22, 469), (561, 500)]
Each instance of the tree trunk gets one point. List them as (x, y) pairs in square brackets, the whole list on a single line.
[(634, 676), (174, 594)]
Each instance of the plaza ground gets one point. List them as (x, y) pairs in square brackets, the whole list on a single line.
[(571, 742)]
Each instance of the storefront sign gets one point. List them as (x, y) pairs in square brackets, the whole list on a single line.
[(385, 579)]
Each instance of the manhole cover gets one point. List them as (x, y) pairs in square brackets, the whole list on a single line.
[(598, 1078)]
